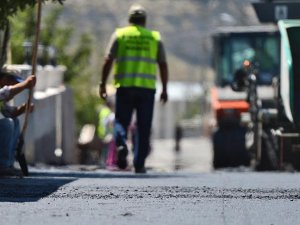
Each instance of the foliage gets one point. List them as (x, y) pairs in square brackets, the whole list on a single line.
[(20, 32), (11, 7), (76, 59)]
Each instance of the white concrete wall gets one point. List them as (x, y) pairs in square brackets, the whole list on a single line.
[(165, 118)]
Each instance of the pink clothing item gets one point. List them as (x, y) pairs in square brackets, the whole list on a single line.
[(111, 160)]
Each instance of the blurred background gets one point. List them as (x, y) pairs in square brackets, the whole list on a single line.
[(186, 28), (75, 35)]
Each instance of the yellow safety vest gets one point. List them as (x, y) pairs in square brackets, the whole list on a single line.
[(103, 114), (136, 61)]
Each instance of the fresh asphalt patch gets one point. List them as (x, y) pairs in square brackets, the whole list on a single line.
[(169, 192)]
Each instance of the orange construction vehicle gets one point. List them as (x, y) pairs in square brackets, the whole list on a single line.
[(233, 48)]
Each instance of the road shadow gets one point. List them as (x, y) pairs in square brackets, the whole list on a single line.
[(29, 189), (40, 184), (102, 175)]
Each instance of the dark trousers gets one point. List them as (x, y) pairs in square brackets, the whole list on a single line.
[(9, 134), (142, 101)]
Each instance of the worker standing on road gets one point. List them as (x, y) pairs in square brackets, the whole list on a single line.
[(136, 51)]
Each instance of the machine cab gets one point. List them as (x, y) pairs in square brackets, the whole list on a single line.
[(258, 44)]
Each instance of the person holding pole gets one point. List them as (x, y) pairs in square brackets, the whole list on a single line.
[(9, 123)]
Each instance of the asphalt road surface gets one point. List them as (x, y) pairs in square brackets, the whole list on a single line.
[(167, 195)]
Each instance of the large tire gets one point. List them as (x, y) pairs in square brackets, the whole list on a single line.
[(229, 146)]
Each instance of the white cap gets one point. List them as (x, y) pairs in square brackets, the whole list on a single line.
[(137, 10)]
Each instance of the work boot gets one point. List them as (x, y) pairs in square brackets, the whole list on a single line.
[(141, 170), (122, 156)]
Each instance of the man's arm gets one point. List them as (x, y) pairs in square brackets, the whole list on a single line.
[(164, 75), (19, 87), (108, 61), (15, 111), (163, 71), (105, 73)]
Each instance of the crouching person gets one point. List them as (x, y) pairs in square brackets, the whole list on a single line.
[(9, 124)]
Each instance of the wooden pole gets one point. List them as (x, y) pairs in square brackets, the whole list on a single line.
[(34, 62)]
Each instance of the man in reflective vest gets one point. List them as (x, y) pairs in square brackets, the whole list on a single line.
[(136, 51)]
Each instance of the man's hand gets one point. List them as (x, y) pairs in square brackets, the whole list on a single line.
[(30, 81), (22, 108), (31, 107), (102, 91), (163, 97)]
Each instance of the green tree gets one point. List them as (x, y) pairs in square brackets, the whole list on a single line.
[(11, 7), (75, 57)]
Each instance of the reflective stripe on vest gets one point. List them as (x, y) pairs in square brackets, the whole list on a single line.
[(136, 62)]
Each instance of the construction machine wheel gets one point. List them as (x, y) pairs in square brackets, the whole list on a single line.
[(229, 146)]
